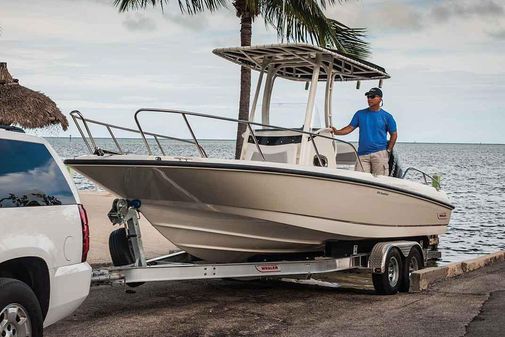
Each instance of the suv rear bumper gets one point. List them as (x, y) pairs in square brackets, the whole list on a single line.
[(69, 288)]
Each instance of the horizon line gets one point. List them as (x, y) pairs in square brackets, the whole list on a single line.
[(232, 140)]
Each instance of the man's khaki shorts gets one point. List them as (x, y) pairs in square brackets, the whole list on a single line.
[(376, 163)]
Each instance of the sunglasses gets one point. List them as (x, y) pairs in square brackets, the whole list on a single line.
[(371, 96)]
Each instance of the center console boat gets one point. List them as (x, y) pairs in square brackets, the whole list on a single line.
[(288, 193)]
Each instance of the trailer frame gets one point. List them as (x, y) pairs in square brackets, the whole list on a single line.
[(180, 265)]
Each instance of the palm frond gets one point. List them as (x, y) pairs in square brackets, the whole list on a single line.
[(306, 22), (324, 4), (126, 5), (352, 40), (187, 6)]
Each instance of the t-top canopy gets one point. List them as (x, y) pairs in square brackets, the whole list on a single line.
[(297, 62)]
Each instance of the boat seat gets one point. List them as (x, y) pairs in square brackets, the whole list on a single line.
[(285, 153)]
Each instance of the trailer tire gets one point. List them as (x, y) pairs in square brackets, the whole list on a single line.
[(388, 282), (414, 261), (121, 251), (119, 248)]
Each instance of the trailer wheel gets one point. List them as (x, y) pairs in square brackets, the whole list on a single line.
[(119, 248), (414, 261), (388, 282), (121, 251)]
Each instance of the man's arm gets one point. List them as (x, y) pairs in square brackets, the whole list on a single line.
[(344, 131), (392, 141)]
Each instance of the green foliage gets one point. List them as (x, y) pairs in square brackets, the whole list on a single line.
[(187, 7), (306, 22), (305, 19)]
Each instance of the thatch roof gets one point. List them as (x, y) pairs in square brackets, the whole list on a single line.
[(25, 107)]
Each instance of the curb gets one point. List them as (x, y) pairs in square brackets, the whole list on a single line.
[(420, 280)]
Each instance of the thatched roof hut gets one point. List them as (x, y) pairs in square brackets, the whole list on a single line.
[(24, 107)]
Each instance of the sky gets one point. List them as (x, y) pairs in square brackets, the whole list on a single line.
[(445, 58)]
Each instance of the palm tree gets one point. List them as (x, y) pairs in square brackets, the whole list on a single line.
[(297, 20)]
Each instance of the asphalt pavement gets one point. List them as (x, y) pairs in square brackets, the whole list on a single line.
[(471, 304)]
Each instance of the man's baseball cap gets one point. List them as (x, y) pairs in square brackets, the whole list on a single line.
[(374, 91)]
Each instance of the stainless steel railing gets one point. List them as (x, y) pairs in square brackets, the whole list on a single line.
[(90, 142), (435, 179), (93, 149)]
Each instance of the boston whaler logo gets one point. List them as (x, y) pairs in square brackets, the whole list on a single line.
[(442, 216), (268, 268)]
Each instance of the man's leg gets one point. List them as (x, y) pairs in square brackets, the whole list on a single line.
[(380, 163), (365, 162)]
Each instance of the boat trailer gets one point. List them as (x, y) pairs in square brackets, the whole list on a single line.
[(388, 261)]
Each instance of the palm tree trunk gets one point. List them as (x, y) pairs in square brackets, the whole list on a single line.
[(245, 81)]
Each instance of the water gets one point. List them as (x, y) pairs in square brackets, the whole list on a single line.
[(472, 175)]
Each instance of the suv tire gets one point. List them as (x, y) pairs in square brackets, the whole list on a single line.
[(25, 316)]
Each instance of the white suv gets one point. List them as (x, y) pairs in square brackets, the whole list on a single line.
[(44, 237)]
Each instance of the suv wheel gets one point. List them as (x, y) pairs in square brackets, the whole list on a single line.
[(20, 313)]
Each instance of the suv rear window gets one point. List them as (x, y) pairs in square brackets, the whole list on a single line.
[(29, 176)]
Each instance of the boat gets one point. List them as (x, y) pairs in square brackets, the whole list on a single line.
[(290, 193)]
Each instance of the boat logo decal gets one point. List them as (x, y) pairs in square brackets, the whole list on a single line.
[(268, 268), (382, 193), (442, 216)]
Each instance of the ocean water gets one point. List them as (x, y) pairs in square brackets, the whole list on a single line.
[(473, 176)]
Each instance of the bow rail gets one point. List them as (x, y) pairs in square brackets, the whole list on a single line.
[(94, 149)]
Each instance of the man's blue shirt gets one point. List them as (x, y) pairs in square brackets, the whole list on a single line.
[(373, 128)]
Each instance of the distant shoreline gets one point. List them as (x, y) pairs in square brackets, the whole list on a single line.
[(232, 140)]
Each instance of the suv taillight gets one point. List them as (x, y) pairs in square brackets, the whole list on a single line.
[(85, 233)]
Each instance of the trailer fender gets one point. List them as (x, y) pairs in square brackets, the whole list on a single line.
[(377, 261)]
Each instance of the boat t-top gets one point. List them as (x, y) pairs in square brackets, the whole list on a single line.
[(289, 193)]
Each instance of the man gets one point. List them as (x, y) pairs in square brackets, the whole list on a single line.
[(374, 123)]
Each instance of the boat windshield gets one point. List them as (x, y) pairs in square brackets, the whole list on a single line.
[(289, 103)]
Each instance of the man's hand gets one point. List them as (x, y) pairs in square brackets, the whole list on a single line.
[(392, 140), (344, 131)]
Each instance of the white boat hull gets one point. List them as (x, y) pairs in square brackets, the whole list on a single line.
[(229, 211)]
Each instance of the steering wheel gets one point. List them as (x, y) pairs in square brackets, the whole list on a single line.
[(325, 130), (330, 131)]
